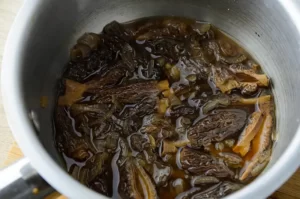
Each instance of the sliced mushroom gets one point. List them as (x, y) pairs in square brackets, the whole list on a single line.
[(146, 182), (168, 147), (163, 85), (181, 142), (135, 182), (128, 185), (254, 123), (163, 105), (224, 80), (259, 151), (266, 106), (261, 164), (238, 100), (250, 74), (227, 79)]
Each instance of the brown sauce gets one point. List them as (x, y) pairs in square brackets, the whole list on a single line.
[(163, 107)]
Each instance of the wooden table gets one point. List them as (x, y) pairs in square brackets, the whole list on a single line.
[(10, 152), (8, 11)]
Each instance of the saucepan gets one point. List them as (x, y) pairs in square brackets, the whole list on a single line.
[(44, 31)]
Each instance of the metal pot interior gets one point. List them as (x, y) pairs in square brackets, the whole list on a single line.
[(263, 28)]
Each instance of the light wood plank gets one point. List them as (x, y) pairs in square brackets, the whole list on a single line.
[(8, 11), (281, 195)]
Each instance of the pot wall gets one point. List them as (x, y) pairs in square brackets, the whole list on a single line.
[(44, 31)]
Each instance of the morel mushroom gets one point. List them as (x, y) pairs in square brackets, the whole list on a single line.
[(158, 127), (158, 108), (135, 182), (202, 180), (254, 124), (199, 163), (218, 191), (75, 146), (129, 94), (260, 151), (94, 166), (216, 127), (228, 79), (223, 100)]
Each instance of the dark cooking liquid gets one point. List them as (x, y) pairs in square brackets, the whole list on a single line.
[(163, 107)]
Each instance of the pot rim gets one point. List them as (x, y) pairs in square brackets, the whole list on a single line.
[(19, 123)]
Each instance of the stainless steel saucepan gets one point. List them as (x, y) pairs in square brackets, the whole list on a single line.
[(38, 46)]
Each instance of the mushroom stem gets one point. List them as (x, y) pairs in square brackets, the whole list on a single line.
[(168, 147), (255, 121)]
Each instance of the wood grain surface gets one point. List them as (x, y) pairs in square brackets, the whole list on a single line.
[(10, 152), (8, 11)]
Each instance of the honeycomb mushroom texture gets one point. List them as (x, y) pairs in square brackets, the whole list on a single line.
[(128, 94), (216, 127), (218, 191), (135, 183), (163, 107), (198, 162)]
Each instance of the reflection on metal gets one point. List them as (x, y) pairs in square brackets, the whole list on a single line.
[(20, 181)]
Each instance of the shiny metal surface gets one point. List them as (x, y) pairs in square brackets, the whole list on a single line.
[(38, 46), (21, 180)]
